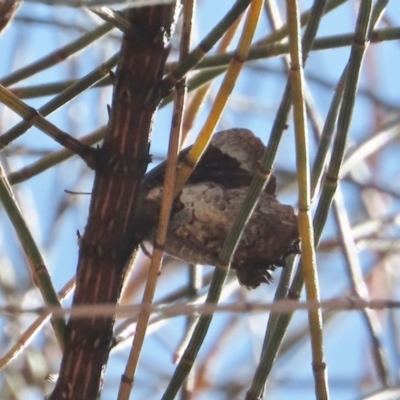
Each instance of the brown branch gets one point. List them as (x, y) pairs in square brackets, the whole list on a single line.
[(7, 11), (108, 242)]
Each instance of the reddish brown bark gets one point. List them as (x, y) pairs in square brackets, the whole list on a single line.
[(108, 241)]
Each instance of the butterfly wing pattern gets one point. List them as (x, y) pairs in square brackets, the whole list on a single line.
[(206, 209)]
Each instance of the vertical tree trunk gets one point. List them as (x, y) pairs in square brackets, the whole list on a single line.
[(108, 241)]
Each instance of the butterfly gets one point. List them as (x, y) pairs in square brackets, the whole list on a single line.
[(206, 208)]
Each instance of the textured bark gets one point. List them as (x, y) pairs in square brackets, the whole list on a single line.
[(108, 241), (208, 205)]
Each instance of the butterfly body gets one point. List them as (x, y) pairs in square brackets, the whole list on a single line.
[(208, 205)]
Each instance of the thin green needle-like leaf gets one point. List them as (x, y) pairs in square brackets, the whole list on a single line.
[(57, 56), (35, 261)]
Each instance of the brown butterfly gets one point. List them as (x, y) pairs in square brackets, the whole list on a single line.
[(207, 206)]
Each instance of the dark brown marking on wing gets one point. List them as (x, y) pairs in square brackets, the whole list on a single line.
[(215, 166)]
